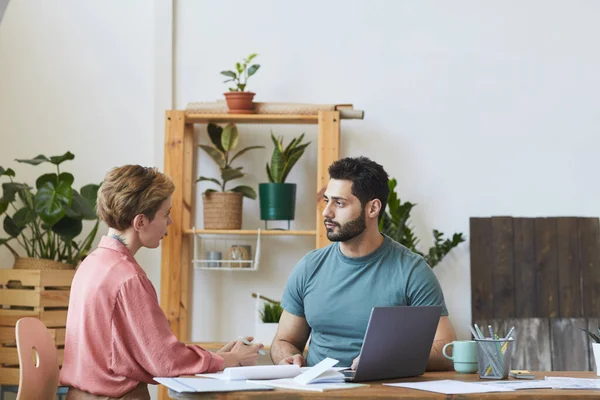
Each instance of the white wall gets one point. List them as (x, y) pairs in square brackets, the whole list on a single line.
[(477, 109)]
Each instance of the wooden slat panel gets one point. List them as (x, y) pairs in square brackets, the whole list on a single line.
[(186, 222), (9, 376), (57, 278), (10, 317), (27, 277), (54, 298), (592, 324), (251, 118), (59, 336), (546, 266), (503, 284), (532, 349), (524, 267), (170, 282), (569, 273), (54, 318), (482, 300), (7, 336), (589, 248), (569, 345), (20, 297), (328, 152)]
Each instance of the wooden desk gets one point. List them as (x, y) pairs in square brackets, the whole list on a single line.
[(377, 390)]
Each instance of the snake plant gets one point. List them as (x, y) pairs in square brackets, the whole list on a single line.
[(282, 159)]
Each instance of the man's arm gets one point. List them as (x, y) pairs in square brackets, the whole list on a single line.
[(292, 334), (444, 334)]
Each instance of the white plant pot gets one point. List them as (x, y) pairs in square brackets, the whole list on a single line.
[(596, 349), (265, 332)]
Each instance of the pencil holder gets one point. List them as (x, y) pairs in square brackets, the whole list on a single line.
[(493, 357)]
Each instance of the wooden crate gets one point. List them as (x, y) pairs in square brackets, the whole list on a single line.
[(42, 294)]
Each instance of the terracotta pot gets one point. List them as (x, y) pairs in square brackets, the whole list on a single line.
[(240, 102)]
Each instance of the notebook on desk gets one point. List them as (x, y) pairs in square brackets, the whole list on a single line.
[(397, 343)]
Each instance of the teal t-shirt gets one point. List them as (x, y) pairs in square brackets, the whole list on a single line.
[(336, 293)]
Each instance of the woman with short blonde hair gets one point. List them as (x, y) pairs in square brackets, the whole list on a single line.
[(117, 337)]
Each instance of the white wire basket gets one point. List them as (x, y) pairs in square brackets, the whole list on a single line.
[(226, 252)]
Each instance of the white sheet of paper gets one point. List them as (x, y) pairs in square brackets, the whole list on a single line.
[(519, 384), (313, 387), (320, 369), (256, 372), (559, 382), (200, 385), (450, 387)]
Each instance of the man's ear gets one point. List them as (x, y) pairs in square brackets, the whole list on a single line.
[(139, 222), (373, 208)]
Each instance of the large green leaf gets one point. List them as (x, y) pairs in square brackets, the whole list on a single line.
[(26, 197), (277, 161), (214, 133), (90, 194), (11, 227), (81, 208), (56, 160), (246, 191), (215, 154), (68, 228), (205, 179), (34, 161), (230, 137), (229, 174), (295, 142), (65, 176), (3, 205), (10, 189), (294, 155), (252, 70), (239, 153), (52, 202), (24, 217), (7, 172)]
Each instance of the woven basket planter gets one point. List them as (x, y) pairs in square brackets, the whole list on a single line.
[(222, 210), (40, 263)]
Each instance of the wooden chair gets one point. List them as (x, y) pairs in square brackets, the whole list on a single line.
[(38, 360)]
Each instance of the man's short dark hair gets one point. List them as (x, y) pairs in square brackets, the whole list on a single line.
[(369, 179)]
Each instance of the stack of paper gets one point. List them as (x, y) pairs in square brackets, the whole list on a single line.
[(256, 372), (320, 378), (451, 387), (199, 385)]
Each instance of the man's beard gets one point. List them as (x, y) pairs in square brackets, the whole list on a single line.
[(349, 230)]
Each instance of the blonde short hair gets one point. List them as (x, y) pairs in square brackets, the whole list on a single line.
[(131, 190)]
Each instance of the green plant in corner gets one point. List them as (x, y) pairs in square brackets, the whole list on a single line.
[(224, 141), (243, 71), (282, 159), (395, 224), (46, 221), (595, 338), (271, 312)]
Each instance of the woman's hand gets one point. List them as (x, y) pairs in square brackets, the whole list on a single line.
[(237, 354)]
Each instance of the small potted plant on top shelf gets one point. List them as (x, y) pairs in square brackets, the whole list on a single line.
[(277, 198), (595, 347), (239, 101), (223, 209)]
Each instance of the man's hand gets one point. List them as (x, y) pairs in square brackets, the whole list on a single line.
[(296, 359), (355, 362)]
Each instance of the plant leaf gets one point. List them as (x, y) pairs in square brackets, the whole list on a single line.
[(229, 174), (24, 217), (294, 156), (269, 174), (64, 176), (56, 160), (229, 73), (246, 191), (230, 137), (239, 153), (203, 178), (11, 227), (52, 202), (214, 133), (9, 189), (3, 205), (80, 208), (7, 172), (238, 68), (34, 161), (68, 228), (90, 194), (240, 87), (250, 57), (215, 154), (252, 70)]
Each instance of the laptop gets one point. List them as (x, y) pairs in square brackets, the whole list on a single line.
[(397, 343)]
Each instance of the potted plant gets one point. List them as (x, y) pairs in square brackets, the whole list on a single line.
[(223, 209), (267, 318), (395, 224), (47, 220), (239, 101), (595, 347), (277, 198)]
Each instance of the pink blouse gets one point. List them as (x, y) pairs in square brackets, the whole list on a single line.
[(117, 335)]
